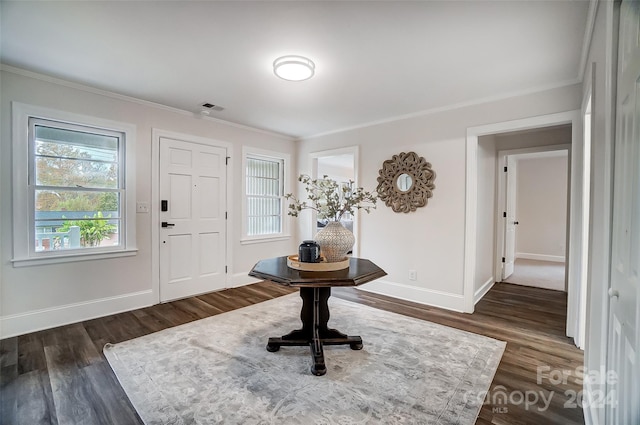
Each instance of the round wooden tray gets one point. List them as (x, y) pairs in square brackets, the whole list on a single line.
[(323, 266)]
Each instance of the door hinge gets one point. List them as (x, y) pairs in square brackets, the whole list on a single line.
[(226, 215), (226, 269), (226, 160), (504, 214), (505, 169), (503, 259)]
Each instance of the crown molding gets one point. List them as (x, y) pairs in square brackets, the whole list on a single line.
[(445, 108), (114, 95), (588, 35)]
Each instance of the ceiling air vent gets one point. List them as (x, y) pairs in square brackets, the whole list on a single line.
[(211, 106)]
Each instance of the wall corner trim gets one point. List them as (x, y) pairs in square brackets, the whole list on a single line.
[(591, 416), (482, 291)]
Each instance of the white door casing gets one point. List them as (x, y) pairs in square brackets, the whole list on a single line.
[(501, 211), (510, 219), (622, 400), (314, 157), (193, 243)]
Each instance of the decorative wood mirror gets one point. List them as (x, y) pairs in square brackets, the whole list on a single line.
[(405, 182)]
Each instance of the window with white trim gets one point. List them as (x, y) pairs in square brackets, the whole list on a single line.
[(71, 194), (76, 185), (263, 196)]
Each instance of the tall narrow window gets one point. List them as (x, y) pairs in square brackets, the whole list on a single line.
[(264, 183), (76, 185)]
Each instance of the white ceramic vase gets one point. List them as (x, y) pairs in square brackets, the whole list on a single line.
[(335, 241)]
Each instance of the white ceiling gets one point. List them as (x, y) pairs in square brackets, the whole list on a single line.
[(374, 60)]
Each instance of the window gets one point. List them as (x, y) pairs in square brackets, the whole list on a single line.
[(75, 184), (264, 195), (71, 197)]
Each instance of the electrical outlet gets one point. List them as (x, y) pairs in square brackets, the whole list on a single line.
[(142, 207), (413, 275)]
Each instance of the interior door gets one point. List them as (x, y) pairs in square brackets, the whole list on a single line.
[(510, 220), (623, 393), (193, 223)]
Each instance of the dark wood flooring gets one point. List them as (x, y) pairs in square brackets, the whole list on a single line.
[(60, 376)]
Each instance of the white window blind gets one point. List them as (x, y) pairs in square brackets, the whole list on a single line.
[(264, 191)]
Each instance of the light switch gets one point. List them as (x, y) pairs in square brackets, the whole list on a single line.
[(142, 207)]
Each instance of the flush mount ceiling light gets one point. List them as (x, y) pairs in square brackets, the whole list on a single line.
[(294, 68)]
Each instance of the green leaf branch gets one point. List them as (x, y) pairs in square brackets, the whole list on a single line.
[(92, 232)]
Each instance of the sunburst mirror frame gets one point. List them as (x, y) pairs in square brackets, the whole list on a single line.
[(405, 182)]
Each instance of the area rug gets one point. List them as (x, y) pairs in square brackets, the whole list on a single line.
[(217, 370)]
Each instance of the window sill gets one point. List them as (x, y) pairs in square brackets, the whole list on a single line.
[(68, 258), (264, 239)]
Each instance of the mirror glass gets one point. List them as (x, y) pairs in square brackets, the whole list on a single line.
[(404, 182)]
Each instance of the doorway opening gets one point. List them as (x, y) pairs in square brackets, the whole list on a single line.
[(190, 247), (338, 165), (533, 196), (483, 221)]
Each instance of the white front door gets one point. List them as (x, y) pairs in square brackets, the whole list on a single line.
[(510, 220), (623, 390), (193, 181)]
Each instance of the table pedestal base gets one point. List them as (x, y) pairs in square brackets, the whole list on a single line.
[(314, 332)]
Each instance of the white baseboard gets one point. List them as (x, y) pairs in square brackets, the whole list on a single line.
[(540, 257), (416, 294), (242, 279), (32, 321), (482, 291)]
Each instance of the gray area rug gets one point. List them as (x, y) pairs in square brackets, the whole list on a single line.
[(217, 370)]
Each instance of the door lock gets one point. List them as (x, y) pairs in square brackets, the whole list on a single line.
[(165, 224)]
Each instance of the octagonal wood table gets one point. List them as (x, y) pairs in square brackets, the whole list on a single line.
[(315, 290)]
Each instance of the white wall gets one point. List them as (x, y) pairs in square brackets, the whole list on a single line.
[(556, 135), (430, 240), (541, 208), (336, 171), (486, 220), (49, 295)]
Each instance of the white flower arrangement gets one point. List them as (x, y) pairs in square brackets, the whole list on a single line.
[(331, 200)]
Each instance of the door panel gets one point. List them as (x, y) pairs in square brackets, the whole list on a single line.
[(193, 245), (180, 254), (209, 248), (179, 196), (623, 393), (209, 205), (510, 220)]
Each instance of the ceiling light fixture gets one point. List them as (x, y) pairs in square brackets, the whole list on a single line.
[(294, 68)]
